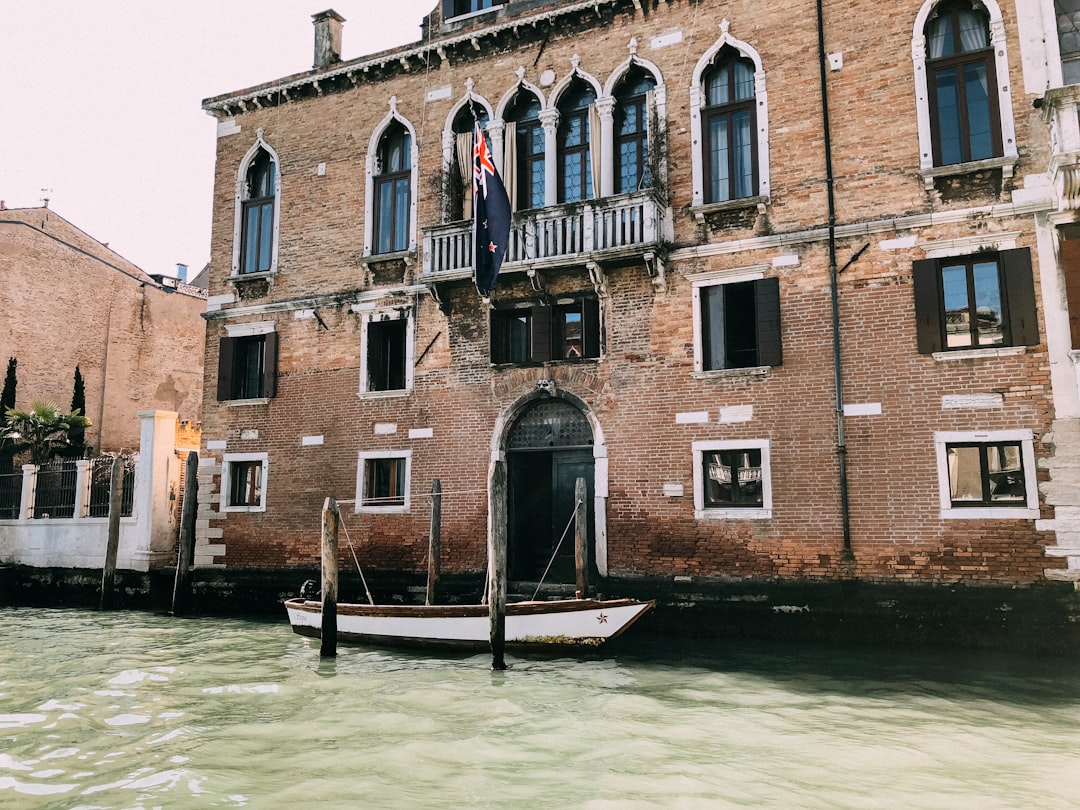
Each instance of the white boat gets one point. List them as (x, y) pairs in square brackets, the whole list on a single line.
[(560, 623)]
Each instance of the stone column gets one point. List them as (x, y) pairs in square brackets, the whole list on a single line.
[(157, 474)]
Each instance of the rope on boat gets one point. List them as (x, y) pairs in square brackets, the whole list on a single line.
[(357, 561), (555, 553)]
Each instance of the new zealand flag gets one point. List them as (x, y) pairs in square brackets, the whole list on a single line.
[(491, 216)]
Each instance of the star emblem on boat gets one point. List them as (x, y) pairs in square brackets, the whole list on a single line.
[(602, 618)]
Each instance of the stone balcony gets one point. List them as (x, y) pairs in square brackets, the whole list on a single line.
[(613, 230)]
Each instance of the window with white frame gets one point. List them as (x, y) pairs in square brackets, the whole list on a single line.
[(258, 206), (987, 474), (386, 350), (391, 187), (243, 482), (732, 479), (524, 147), (962, 87), (729, 125), (633, 107), (383, 481), (247, 362), (736, 322)]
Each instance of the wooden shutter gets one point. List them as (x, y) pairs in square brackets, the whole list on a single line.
[(269, 381), (1020, 295), (541, 333), (927, 283), (225, 369), (767, 300), (590, 327)]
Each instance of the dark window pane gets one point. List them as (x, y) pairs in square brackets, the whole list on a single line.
[(266, 233), (986, 474), (245, 488), (957, 310), (386, 355), (520, 350), (740, 325), (980, 136), (948, 117), (733, 478), (384, 482), (743, 163), (714, 356)]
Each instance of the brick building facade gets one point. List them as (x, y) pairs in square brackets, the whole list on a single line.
[(68, 300), (700, 232)]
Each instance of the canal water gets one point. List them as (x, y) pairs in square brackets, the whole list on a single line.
[(135, 710)]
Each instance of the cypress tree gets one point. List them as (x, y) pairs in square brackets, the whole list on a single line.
[(77, 433), (7, 402)]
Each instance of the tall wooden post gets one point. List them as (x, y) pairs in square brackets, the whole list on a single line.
[(188, 513), (434, 560), (581, 538), (330, 519), (497, 563), (108, 574)]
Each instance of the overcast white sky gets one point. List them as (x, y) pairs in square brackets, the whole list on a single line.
[(101, 104)]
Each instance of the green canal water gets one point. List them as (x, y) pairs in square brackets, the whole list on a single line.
[(135, 710)]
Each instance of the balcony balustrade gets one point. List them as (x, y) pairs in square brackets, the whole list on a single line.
[(614, 228)]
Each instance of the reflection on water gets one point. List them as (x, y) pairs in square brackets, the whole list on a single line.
[(131, 710)]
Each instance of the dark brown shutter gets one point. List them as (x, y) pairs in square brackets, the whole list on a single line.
[(376, 358), (927, 282), (225, 369), (767, 299), (541, 333), (590, 327), (1020, 295), (269, 382)]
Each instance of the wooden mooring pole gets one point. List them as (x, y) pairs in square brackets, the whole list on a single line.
[(434, 560), (188, 513), (108, 574), (330, 519), (497, 563), (581, 538)]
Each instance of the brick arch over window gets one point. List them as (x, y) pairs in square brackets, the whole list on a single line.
[(997, 86), (699, 101), (263, 211), (393, 121)]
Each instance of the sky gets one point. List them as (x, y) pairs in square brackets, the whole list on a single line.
[(101, 110)]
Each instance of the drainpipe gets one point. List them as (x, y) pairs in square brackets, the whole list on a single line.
[(841, 442)]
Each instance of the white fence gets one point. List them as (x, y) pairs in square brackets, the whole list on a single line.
[(147, 537)]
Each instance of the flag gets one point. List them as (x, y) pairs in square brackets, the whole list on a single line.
[(491, 216)]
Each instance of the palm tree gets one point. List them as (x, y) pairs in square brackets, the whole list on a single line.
[(43, 430)]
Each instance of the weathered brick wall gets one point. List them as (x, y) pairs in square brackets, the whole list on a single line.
[(644, 380), (138, 347)]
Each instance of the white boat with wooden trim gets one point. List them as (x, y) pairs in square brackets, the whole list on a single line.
[(559, 623)]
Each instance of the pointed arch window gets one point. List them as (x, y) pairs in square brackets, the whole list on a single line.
[(728, 122), (577, 120), (392, 181), (461, 169), (632, 110), (961, 74), (257, 215), (524, 152)]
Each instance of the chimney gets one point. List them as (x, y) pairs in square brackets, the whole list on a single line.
[(327, 38)]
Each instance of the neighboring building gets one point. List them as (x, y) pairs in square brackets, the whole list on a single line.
[(682, 275), (68, 300)]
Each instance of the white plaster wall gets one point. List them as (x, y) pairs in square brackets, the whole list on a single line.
[(64, 543)]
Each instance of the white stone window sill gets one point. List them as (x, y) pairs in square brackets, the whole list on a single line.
[(241, 277), (236, 403), (975, 354), (753, 371), (403, 392), (701, 211), (1007, 164), (243, 509), (381, 510), (990, 513), (733, 514)]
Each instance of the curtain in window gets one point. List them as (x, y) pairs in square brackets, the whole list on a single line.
[(594, 148), (463, 146), (510, 173)]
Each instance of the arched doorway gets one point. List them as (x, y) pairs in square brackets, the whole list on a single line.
[(549, 447)]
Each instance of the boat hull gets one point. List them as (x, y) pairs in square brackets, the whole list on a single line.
[(565, 623)]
